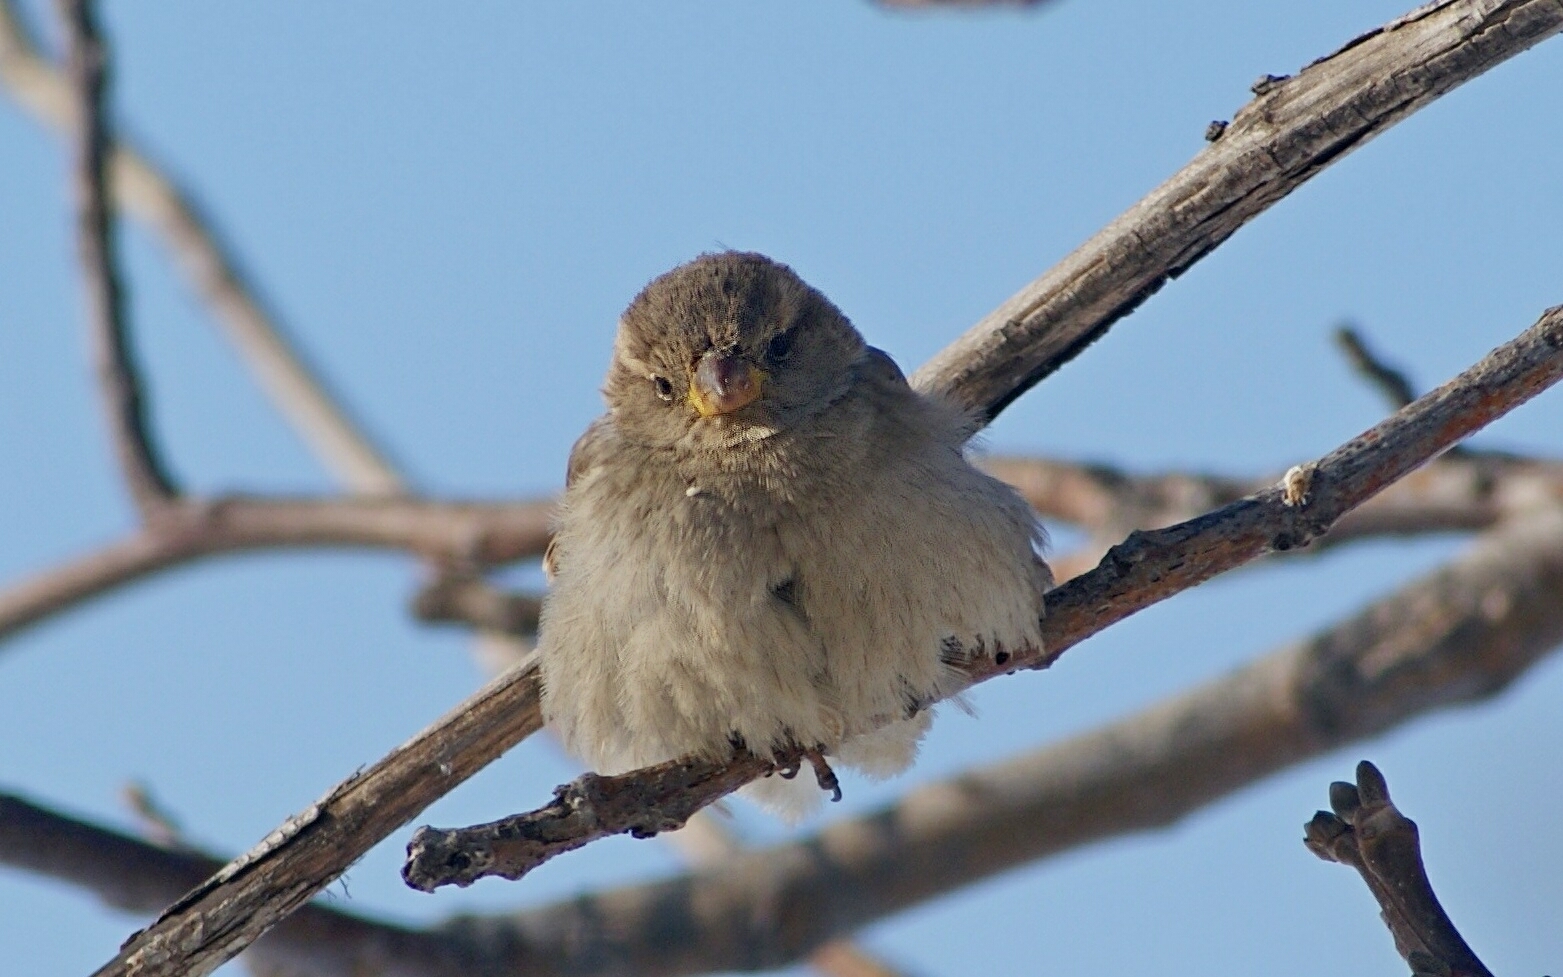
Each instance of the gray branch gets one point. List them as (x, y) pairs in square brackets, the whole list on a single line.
[(476, 534), (119, 382), (142, 189), (1290, 132)]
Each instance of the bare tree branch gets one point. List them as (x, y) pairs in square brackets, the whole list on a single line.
[(231, 909), (130, 874), (1370, 834), (457, 597), (1392, 383), (1462, 491), (1471, 492), (118, 382), (142, 189), (471, 533), (1148, 567), (1458, 636), (1291, 131)]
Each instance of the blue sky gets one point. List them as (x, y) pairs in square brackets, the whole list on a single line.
[(450, 205)]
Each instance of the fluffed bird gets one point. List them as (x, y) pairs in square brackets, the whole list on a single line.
[(771, 540)]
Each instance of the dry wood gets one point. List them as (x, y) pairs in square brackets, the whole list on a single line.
[(1388, 380), (118, 382), (1291, 131), (1520, 38), (1468, 493), (138, 877), (461, 533), (467, 598), (1462, 491), (1367, 832)]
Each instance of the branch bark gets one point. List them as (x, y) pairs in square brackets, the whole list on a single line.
[(1291, 131), (1146, 568), (476, 534), (1367, 832), (1463, 490), (118, 381), (130, 874)]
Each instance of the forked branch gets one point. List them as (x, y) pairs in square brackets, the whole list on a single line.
[(1367, 832)]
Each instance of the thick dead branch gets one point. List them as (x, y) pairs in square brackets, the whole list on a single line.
[(1146, 568), (1367, 832), (1291, 131), (183, 941), (1457, 636), (118, 382), (130, 874), (476, 533), (231, 909), (145, 191)]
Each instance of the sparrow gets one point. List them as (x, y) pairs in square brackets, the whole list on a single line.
[(772, 541)]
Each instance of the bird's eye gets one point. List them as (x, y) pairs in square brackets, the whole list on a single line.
[(779, 346), (664, 388)]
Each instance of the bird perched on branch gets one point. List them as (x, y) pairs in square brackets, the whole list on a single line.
[(771, 540)]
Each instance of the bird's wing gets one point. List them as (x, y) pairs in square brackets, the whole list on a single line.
[(876, 364), (585, 455)]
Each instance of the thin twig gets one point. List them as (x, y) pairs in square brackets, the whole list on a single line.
[(157, 823), (118, 380), (1519, 26), (1392, 383), (1294, 129), (475, 533), (149, 193), (466, 598), (1146, 568), (1367, 832)]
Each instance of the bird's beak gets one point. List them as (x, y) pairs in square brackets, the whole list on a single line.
[(724, 383)]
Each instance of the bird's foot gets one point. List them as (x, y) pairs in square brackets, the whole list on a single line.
[(823, 775)]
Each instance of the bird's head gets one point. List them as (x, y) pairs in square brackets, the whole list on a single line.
[(729, 347)]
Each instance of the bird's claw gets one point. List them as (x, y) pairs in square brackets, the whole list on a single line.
[(823, 774)]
